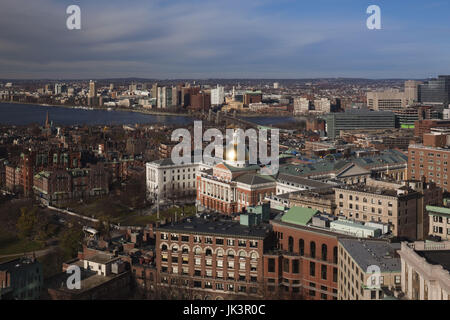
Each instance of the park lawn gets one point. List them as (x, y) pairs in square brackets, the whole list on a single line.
[(138, 220), (10, 244), (98, 208)]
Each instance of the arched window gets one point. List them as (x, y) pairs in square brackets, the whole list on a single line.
[(291, 244), (164, 247), (208, 252), (198, 250), (324, 252), (175, 248), (253, 256), (301, 246), (219, 253), (335, 255), (230, 253), (312, 249)]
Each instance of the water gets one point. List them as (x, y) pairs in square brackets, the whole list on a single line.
[(25, 114), (264, 121)]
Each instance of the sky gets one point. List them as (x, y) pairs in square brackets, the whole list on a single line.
[(193, 39)]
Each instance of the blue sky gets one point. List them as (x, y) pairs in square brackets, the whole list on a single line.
[(224, 39)]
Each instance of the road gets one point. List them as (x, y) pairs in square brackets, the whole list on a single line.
[(38, 253)]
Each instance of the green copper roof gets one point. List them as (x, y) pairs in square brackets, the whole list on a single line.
[(299, 215), (441, 210)]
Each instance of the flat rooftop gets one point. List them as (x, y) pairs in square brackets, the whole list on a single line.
[(436, 257), (219, 227), (376, 190), (371, 252)]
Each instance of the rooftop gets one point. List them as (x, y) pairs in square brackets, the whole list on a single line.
[(437, 257), (219, 227), (372, 252), (299, 215)]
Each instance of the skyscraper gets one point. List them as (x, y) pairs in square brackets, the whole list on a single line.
[(92, 92), (217, 96), (435, 91)]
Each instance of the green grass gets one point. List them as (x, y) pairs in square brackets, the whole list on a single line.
[(136, 220), (10, 244)]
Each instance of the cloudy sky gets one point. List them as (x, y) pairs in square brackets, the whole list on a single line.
[(170, 39)]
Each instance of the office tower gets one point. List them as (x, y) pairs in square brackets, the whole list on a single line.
[(111, 86), (435, 91), (358, 119), (154, 91), (92, 92), (161, 97), (389, 100), (411, 91), (217, 96), (176, 96), (276, 85), (57, 88)]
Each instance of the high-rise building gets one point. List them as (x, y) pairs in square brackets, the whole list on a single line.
[(58, 88), (389, 100), (217, 96), (301, 106), (358, 119), (412, 91), (322, 105), (435, 91), (92, 90)]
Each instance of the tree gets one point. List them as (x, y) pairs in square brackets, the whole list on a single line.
[(71, 241), (26, 224)]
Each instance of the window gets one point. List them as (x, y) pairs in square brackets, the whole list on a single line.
[(286, 265), (301, 245), (312, 269), (219, 241), (295, 266), (271, 266), (312, 248), (324, 252), (323, 272), (291, 244)]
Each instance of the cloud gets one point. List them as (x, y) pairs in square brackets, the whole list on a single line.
[(180, 39)]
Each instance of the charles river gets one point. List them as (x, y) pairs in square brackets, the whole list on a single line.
[(25, 114)]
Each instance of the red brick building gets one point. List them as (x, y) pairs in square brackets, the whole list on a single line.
[(305, 262), (430, 160), (207, 259), (227, 189)]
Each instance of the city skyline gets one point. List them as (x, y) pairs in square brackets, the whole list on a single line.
[(251, 40)]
